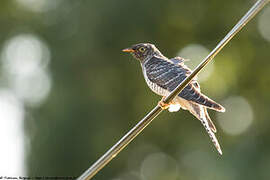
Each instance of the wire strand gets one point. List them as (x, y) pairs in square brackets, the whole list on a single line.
[(127, 138)]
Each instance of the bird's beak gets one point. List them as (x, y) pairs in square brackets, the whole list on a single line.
[(129, 50)]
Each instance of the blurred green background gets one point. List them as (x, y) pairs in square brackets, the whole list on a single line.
[(68, 93)]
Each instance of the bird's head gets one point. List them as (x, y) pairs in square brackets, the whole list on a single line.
[(143, 51)]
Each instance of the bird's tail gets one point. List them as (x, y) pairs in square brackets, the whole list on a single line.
[(211, 134), (210, 122), (200, 112), (202, 99), (206, 101)]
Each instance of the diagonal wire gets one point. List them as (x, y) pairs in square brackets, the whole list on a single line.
[(126, 139)]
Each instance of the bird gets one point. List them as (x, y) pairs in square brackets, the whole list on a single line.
[(163, 75)]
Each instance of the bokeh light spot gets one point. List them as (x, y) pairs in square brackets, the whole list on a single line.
[(195, 53), (32, 89), (264, 23), (24, 53), (238, 116), (25, 59), (159, 166), (38, 5), (11, 135)]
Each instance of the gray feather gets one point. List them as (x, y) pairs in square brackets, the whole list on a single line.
[(169, 75)]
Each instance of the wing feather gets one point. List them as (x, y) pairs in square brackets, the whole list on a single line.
[(168, 75)]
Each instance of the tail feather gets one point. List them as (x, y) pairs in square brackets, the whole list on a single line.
[(200, 112), (210, 122), (211, 135), (206, 101)]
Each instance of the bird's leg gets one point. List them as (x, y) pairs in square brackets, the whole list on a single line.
[(162, 104)]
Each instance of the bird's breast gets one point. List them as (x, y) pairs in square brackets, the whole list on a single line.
[(153, 86)]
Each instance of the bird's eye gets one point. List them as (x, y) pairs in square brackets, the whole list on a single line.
[(141, 49)]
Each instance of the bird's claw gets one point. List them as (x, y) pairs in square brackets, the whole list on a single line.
[(163, 105)]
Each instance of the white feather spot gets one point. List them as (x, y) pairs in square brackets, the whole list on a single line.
[(174, 107)]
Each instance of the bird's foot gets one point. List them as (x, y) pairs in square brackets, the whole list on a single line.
[(163, 105)]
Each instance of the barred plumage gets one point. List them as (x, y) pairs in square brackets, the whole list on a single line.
[(163, 75), (169, 75)]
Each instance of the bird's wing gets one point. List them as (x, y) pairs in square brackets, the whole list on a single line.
[(178, 60), (164, 73), (169, 75)]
